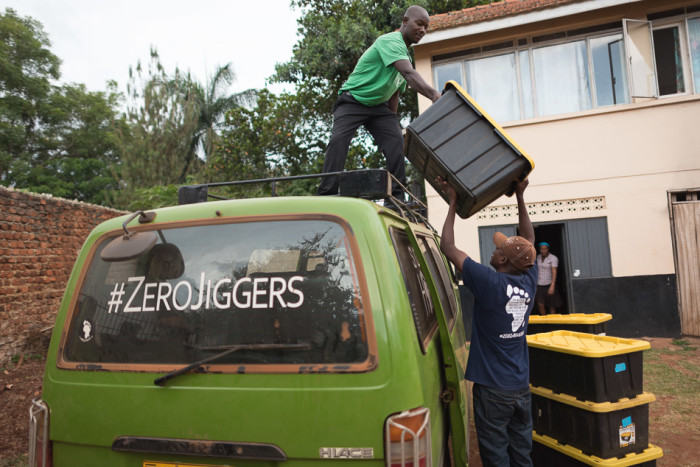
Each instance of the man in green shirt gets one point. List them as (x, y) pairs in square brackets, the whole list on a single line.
[(370, 97)]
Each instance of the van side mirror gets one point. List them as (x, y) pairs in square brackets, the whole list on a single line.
[(131, 244)]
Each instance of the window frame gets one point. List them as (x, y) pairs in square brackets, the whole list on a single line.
[(686, 21), (442, 280), (684, 44), (368, 365), (529, 44), (425, 333), (529, 48)]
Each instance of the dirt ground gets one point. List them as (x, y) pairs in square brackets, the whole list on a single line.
[(21, 381)]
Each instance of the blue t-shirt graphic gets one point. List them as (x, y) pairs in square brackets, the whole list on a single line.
[(498, 356)]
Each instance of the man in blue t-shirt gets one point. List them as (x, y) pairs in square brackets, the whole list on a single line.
[(370, 97), (498, 362)]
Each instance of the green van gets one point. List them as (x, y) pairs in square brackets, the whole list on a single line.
[(289, 331)]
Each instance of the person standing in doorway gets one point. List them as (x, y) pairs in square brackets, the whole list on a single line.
[(547, 298), (370, 97), (498, 362)]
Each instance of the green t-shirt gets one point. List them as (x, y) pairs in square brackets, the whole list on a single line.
[(375, 79)]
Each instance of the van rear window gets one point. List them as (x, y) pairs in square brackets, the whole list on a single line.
[(279, 292)]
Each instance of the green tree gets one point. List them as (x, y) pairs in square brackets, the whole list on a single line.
[(53, 139), (156, 131), (334, 34), (77, 145), (278, 136), (213, 102), (27, 67), (170, 128)]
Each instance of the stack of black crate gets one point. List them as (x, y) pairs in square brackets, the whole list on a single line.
[(588, 403)]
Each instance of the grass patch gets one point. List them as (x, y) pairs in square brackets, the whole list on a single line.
[(684, 344), (673, 375), (660, 377), (12, 364), (19, 461)]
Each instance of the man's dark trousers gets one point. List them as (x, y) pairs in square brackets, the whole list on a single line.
[(382, 124)]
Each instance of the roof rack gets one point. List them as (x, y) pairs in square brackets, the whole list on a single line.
[(370, 184)]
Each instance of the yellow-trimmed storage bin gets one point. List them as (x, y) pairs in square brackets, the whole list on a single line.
[(601, 429), (458, 141), (548, 452), (594, 323), (586, 366)]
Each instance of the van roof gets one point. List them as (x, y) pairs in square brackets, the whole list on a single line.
[(369, 184)]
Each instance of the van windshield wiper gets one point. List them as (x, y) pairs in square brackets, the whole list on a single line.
[(228, 349)]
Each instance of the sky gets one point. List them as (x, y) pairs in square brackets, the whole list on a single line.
[(97, 40)]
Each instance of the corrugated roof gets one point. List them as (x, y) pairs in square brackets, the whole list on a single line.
[(492, 11)]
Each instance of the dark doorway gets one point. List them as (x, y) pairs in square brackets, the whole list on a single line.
[(554, 235)]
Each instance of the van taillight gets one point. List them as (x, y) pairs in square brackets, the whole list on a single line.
[(39, 444), (407, 437)]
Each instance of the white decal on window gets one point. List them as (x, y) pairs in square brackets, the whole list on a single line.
[(186, 302), (128, 308), (297, 292), (277, 292), (227, 304), (87, 332), (259, 293), (239, 304), (163, 296)]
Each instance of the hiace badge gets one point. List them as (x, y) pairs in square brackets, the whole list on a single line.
[(346, 453)]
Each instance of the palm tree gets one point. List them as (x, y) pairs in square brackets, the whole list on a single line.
[(212, 102)]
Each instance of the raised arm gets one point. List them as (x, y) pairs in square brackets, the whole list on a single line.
[(524, 225), (447, 240), (415, 80)]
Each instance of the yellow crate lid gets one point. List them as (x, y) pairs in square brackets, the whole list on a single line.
[(584, 344), (649, 454), (573, 318), (597, 407)]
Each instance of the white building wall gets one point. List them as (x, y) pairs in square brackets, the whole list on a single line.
[(629, 156)]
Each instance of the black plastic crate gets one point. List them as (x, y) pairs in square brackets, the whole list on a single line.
[(548, 452), (366, 184), (601, 429), (593, 323), (587, 366), (457, 141)]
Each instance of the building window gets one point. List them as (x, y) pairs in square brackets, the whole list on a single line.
[(694, 41), (570, 73), (546, 80), (495, 80), (448, 72), (669, 60), (562, 82), (609, 70)]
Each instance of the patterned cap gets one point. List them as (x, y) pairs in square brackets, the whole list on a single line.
[(519, 251)]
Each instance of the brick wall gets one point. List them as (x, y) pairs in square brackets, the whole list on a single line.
[(40, 237)]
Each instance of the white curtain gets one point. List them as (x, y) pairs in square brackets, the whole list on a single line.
[(493, 83), (561, 78), (694, 40)]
